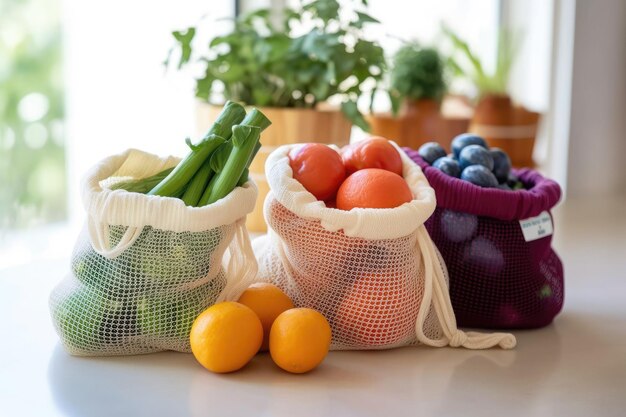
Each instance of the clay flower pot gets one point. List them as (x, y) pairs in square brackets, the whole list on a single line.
[(507, 126), (419, 121)]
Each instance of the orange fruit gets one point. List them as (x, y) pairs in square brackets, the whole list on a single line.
[(225, 336), (373, 188), (299, 340), (376, 152), (379, 310), (268, 302), (319, 169)]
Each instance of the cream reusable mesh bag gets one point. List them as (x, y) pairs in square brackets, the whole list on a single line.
[(374, 273), (145, 266)]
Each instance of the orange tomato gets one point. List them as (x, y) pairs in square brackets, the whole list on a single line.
[(375, 152), (373, 188), (319, 169)]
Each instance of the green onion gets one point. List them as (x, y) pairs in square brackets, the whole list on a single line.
[(207, 192), (174, 183), (256, 118), (220, 156), (142, 185), (244, 140), (217, 162), (222, 159), (231, 115), (198, 184), (244, 177), (246, 172)]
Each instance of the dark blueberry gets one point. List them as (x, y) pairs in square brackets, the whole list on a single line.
[(501, 164), (484, 254), (448, 166), (475, 155), (504, 186), (458, 226), (431, 151), (479, 175), (466, 139)]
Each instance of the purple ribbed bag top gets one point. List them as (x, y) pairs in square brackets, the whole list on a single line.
[(497, 278)]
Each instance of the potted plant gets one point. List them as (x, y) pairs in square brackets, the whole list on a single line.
[(264, 62), (497, 118), (417, 88)]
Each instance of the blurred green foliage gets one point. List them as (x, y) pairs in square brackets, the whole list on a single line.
[(266, 60), (32, 156), (417, 73)]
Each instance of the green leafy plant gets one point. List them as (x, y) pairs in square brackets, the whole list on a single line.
[(417, 73), (262, 62), (465, 62)]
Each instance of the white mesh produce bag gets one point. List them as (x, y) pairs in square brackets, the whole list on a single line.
[(374, 273), (145, 266)]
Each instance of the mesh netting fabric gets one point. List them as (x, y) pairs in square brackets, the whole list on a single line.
[(139, 292), (497, 278), (369, 290), (374, 274)]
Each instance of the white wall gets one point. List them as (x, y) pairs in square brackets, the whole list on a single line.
[(597, 144)]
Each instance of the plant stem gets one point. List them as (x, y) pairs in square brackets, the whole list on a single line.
[(198, 184), (244, 140), (142, 185)]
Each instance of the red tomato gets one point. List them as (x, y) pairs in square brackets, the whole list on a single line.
[(319, 169)]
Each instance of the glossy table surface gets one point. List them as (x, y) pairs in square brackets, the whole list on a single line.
[(574, 367)]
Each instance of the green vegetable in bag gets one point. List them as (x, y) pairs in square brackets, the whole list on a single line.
[(85, 319), (165, 315)]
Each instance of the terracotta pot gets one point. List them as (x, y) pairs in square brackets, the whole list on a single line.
[(507, 126), (419, 122), (289, 126)]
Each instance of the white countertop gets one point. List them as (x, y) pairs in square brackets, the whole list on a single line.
[(575, 367)]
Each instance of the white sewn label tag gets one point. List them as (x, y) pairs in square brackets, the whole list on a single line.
[(537, 227)]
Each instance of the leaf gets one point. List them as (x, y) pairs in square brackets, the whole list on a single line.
[(219, 40), (326, 10), (204, 86), (220, 156), (363, 18), (184, 39), (241, 133), (320, 89), (463, 47), (272, 48), (261, 97), (278, 68), (189, 144), (352, 112), (262, 14), (288, 16)]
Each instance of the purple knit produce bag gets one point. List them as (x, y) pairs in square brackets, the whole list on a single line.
[(498, 277)]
